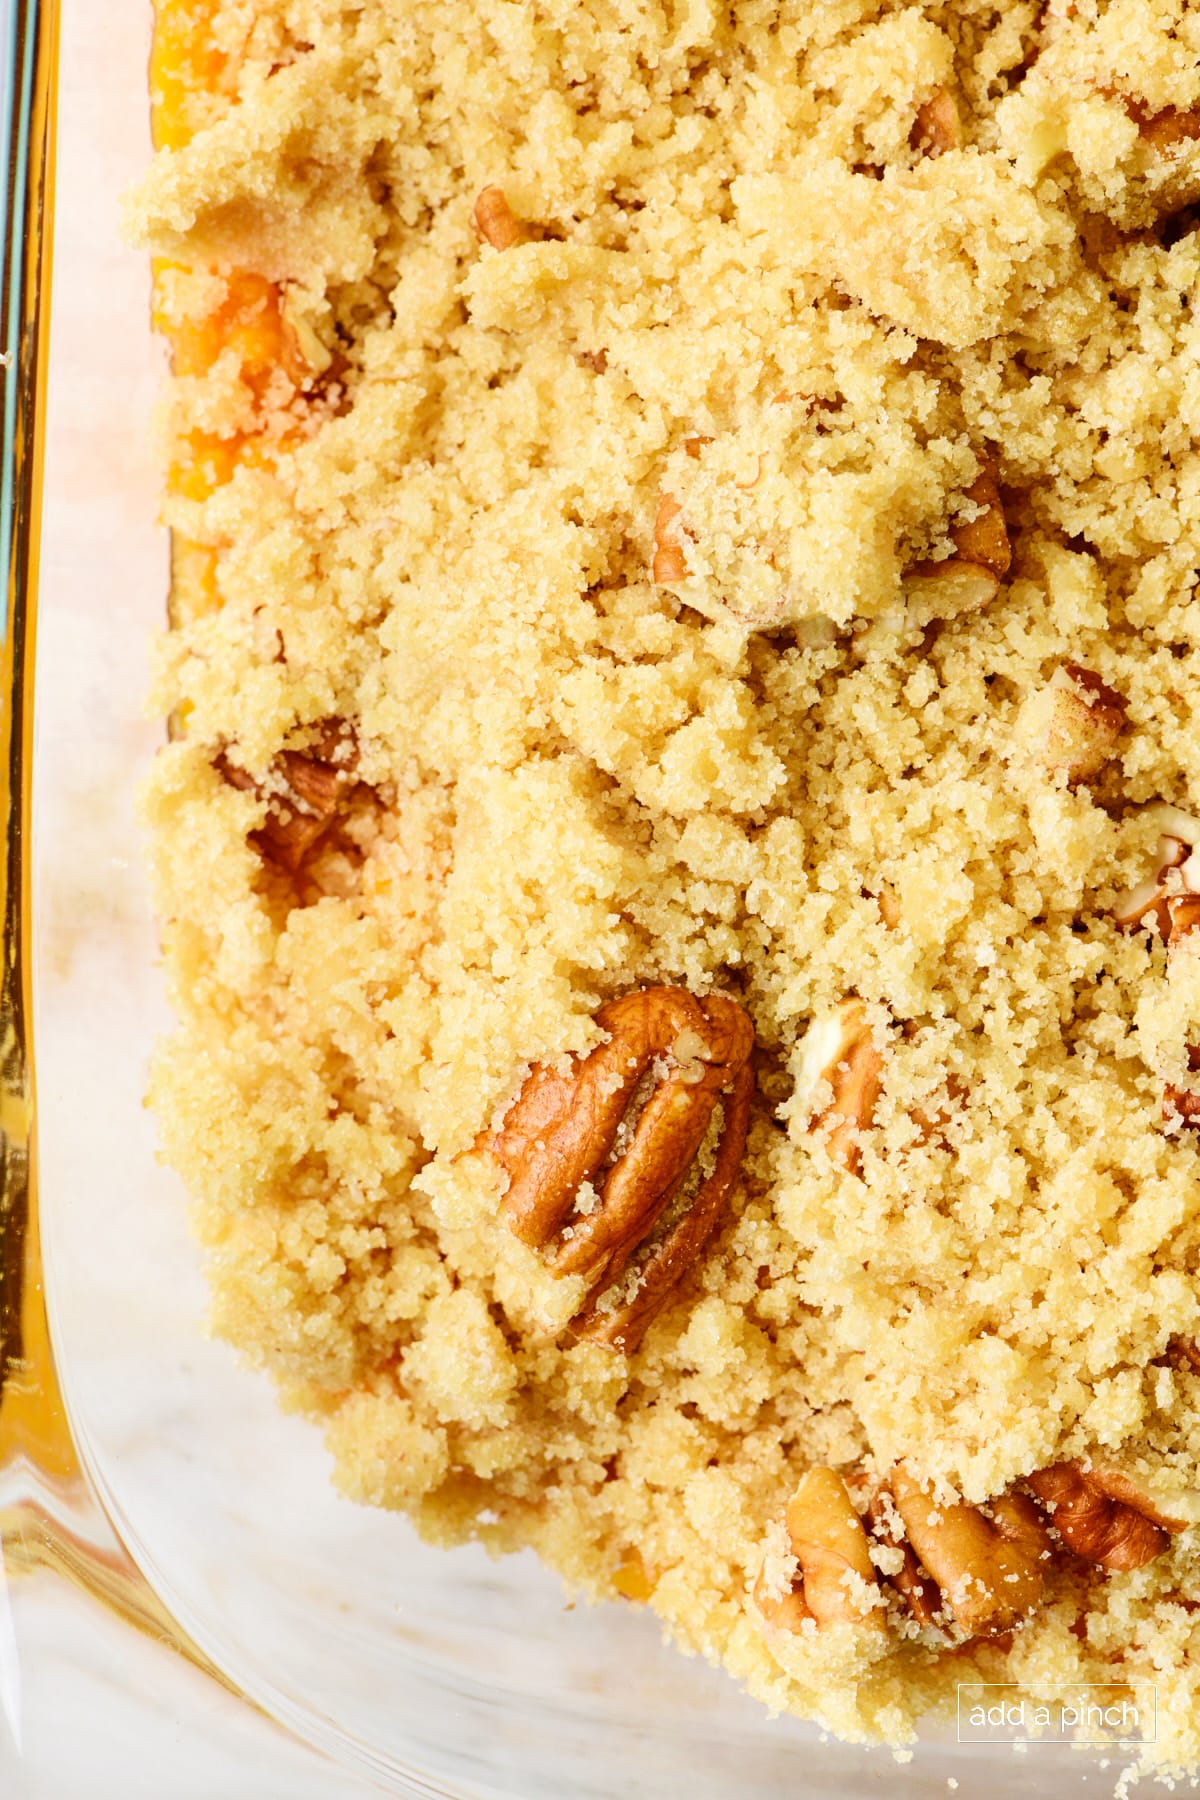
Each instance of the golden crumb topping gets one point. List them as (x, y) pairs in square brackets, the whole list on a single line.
[(702, 501)]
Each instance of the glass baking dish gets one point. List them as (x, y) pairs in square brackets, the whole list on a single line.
[(189, 1608)]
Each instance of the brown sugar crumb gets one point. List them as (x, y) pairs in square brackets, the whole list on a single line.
[(678, 850)]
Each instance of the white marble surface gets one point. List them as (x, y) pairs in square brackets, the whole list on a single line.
[(429, 1673), (106, 1715)]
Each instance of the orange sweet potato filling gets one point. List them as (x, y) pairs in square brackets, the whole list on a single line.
[(183, 62), (250, 320)]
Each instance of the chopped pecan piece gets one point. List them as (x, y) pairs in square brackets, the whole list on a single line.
[(670, 562), (969, 579), (1183, 916), (983, 540), (1152, 899), (888, 902), (1182, 1104), (1167, 131), (563, 1130), (1103, 1516), (1170, 902), (936, 127), (987, 1564), (632, 1579), (836, 1578), (1183, 1353), (495, 220), (840, 1051), (305, 795), (1073, 725)]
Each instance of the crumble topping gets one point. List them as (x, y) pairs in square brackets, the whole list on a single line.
[(893, 304)]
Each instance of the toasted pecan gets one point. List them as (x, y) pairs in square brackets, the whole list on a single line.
[(563, 1130), (937, 127), (969, 579), (670, 561), (1102, 1515), (979, 1569), (1168, 130), (1183, 1353), (835, 1578), (911, 1580), (840, 1051), (1072, 726), (495, 220), (305, 794), (987, 1564)]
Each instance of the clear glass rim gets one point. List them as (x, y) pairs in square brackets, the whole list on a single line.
[(50, 1515)]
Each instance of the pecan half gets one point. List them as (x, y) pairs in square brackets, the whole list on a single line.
[(840, 1051), (836, 1578), (305, 795), (979, 1570), (495, 220), (960, 1566), (913, 1582), (988, 1565), (563, 1130), (1103, 1516), (969, 579), (1072, 727)]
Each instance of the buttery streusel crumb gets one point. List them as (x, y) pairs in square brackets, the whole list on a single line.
[(704, 498)]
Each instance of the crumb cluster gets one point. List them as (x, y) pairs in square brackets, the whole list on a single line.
[(808, 269)]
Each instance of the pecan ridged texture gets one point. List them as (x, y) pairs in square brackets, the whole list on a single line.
[(987, 1564), (835, 1577), (306, 794), (566, 1130), (975, 1572), (914, 1584), (1103, 1516)]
